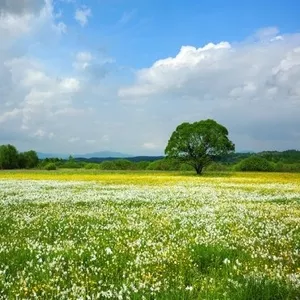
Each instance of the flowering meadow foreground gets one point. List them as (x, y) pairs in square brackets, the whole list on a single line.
[(149, 236)]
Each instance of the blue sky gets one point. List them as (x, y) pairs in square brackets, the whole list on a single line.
[(81, 76), (137, 33)]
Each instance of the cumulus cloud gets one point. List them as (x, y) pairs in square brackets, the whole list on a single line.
[(253, 87), (19, 17), (93, 67), (44, 105), (21, 7), (54, 102), (82, 15)]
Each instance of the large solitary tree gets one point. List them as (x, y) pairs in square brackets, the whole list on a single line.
[(197, 144)]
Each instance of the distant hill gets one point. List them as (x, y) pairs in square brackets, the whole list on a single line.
[(42, 155), (132, 158), (101, 154)]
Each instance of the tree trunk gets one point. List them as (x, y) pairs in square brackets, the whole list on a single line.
[(198, 169)]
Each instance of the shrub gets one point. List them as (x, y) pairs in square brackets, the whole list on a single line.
[(123, 164), (71, 165), (165, 165), (108, 165), (90, 166), (50, 167), (281, 167), (186, 167), (214, 166), (142, 165), (255, 163)]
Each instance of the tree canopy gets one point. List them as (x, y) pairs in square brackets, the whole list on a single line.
[(10, 158), (198, 143)]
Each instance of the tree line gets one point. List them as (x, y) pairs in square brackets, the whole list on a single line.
[(197, 146), (286, 161), (10, 158)]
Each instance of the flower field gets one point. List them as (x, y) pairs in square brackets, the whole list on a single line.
[(88, 235)]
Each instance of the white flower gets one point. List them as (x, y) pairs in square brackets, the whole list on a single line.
[(108, 251), (226, 261)]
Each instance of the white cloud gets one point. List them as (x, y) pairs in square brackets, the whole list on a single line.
[(83, 60), (61, 27), (39, 100), (40, 133), (34, 77), (24, 18), (52, 104), (82, 15), (69, 85), (43, 103), (252, 87), (9, 115), (150, 146), (267, 33), (15, 24), (188, 63)]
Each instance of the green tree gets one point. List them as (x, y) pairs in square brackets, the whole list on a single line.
[(123, 164), (108, 165), (197, 144), (31, 159), (22, 161), (142, 165), (8, 157)]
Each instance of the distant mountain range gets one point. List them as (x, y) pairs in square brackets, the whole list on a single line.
[(101, 154)]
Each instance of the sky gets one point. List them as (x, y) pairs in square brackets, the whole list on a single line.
[(80, 76)]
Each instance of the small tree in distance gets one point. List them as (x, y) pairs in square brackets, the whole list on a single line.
[(198, 143)]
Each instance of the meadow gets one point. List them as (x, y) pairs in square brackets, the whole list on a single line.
[(138, 235)]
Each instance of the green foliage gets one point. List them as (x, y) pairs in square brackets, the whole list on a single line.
[(291, 167), (165, 165), (28, 160), (286, 157), (123, 164), (263, 289), (50, 166), (22, 161), (142, 165), (255, 163), (108, 165), (216, 166), (90, 166), (8, 157), (210, 258), (186, 167), (71, 164), (158, 165), (11, 159), (197, 144), (57, 161)]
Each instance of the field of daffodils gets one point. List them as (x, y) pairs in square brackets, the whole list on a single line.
[(85, 235)]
